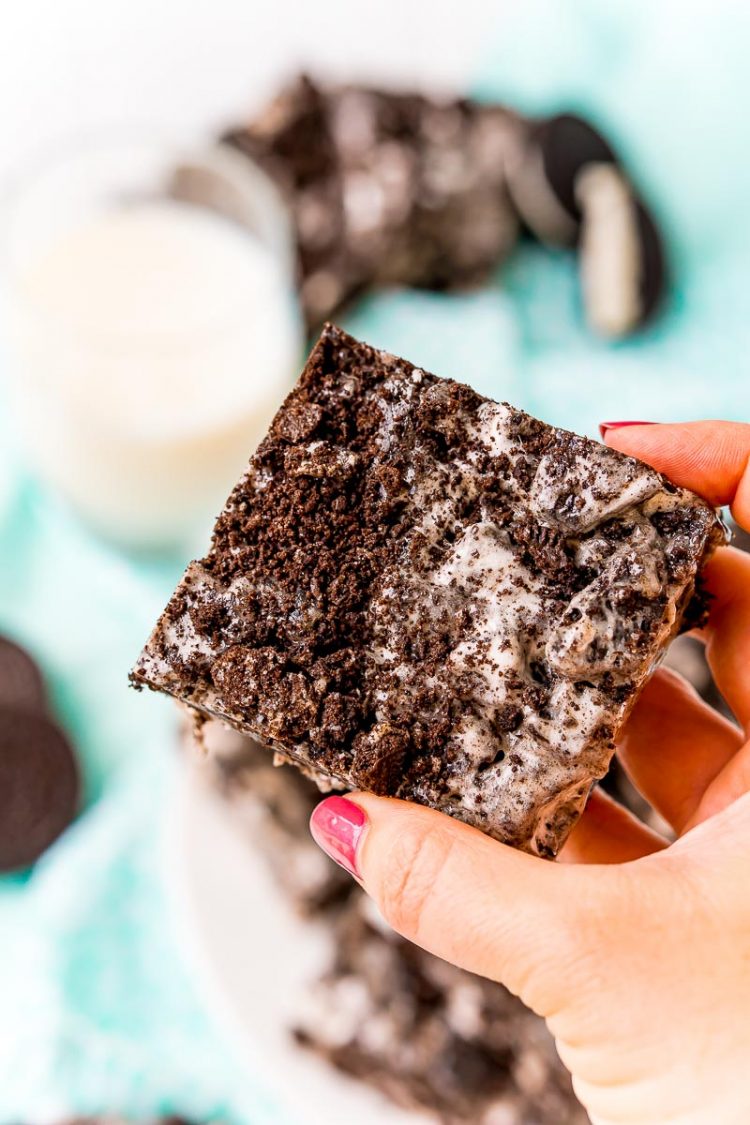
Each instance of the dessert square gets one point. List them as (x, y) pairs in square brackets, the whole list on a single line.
[(422, 593), (430, 1036), (387, 188)]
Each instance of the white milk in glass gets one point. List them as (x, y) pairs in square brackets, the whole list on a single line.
[(155, 341)]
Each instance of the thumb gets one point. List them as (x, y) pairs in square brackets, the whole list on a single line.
[(495, 911), (712, 458)]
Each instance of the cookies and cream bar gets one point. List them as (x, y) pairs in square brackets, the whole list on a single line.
[(419, 592), (428, 1035)]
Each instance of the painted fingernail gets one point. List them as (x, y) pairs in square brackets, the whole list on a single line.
[(604, 426), (337, 826)]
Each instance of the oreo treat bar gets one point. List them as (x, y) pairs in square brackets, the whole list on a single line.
[(571, 188), (273, 806), (428, 1035), (387, 188), (431, 1036), (422, 593)]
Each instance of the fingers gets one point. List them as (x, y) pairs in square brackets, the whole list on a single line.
[(674, 745), (727, 635), (713, 458), (709, 457), (477, 903), (727, 787), (608, 833)]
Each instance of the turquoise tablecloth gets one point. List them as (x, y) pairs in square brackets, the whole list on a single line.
[(97, 1011)]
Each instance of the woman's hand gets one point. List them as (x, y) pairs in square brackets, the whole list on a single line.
[(636, 953)]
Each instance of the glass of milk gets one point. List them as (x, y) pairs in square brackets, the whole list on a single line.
[(156, 330)]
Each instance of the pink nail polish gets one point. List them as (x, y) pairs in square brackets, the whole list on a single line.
[(604, 426), (337, 826)]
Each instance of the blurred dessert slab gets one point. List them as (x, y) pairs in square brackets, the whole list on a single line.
[(429, 1036), (277, 813), (390, 188)]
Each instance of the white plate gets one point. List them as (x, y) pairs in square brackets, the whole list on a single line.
[(252, 956)]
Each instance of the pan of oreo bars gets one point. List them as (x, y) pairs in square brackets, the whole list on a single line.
[(420, 592)]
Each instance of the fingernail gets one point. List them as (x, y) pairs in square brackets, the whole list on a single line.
[(604, 426), (337, 826)]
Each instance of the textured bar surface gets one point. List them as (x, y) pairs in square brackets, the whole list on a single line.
[(426, 594)]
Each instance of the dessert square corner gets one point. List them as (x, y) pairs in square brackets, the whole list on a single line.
[(423, 593)]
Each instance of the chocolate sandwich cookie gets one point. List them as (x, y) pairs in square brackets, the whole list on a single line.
[(39, 786), (571, 188), (567, 144), (21, 684)]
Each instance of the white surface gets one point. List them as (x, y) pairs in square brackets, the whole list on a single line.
[(73, 65), (251, 958)]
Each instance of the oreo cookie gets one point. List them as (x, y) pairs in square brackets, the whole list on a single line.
[(654, 277), (620, 254), (39, 776), (39, 787), (21, 684), (568, 144), (571, 188)]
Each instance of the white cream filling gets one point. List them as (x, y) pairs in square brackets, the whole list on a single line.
[(610, 259)]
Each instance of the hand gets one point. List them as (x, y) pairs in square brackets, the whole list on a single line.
[(636, 953)]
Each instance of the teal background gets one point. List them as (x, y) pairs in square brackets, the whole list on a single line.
[(97, 1011)]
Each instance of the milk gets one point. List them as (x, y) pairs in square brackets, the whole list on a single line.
[(155, 341)]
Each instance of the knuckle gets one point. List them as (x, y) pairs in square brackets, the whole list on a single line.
[(413, 868)]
